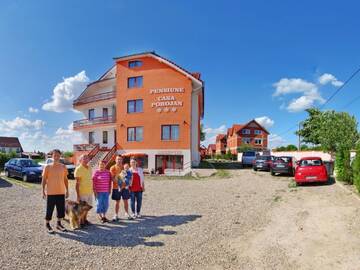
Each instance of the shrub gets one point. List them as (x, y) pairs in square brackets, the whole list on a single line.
[(356, 168), (68, 154), (5, 157), (342, 166)]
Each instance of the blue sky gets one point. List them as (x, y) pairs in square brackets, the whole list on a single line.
[(258, 58)]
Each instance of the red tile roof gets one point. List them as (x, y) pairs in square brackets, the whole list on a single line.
[(10, 142), (212, 147), (219, 137)]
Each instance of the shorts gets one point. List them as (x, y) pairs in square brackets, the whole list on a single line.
[(102, 202), (118, 195), (53, 201), (87, 198)]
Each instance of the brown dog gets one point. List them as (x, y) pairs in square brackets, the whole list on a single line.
[(76, 212)]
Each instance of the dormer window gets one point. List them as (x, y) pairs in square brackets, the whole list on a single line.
[(135, 63), (245, 131)]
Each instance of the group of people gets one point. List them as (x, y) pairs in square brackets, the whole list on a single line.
[(122, 181)]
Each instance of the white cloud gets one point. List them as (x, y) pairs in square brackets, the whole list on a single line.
[(211, 133), (310, 93), (65, 92), (287, 86), (19, 123), (33, 110), (265, 121), (63, 139), (305, 102), (276, 141), (329, 78)]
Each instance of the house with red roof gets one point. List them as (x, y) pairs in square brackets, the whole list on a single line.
[(211, 150), (251, 134), (10, 144), (221, 144)]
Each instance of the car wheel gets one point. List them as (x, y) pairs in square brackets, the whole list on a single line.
[(272, 173), (7, 173), (25, 178), (255, 169)]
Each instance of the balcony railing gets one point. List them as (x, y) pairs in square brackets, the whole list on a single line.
[(97, 120), (85, 147), (94, 98)]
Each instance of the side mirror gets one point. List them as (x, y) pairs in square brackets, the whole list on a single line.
[(297, 163)]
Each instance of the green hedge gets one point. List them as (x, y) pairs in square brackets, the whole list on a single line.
[(343, 167), (356, 168), (5, 157)]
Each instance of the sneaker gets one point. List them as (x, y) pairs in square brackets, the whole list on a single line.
[(115, 218), (129, 217), (133, 216), (138, 215), (104, 219), (60, 227), (49, 229)]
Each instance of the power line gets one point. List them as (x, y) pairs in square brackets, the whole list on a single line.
[(351, 102), (329, 99), (341, 87)]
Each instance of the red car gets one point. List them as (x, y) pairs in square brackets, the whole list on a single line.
[(310, 169)]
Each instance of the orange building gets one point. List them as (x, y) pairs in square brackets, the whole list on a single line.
[(221, 144), (211, 150), (144, 106), (251, 134)]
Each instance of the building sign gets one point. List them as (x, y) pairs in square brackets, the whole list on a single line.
[(166, 102)]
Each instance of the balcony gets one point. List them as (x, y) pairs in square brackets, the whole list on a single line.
[(83, 123), (100, 97)]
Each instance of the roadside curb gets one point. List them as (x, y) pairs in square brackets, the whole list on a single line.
[(341, 185)]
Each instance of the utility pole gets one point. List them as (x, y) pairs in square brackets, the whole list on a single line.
[(299, 143)]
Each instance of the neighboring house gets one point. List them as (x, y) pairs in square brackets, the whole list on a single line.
[(211, 150), (144, 106), (10, 144), (221, 144), (251, 134)]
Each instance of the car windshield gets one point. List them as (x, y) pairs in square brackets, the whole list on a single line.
[(28, 163), (249, 154), (63, 161), (310, 162), (264, 158), (283, 159)]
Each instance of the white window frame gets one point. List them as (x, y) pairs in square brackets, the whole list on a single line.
[(257, 132), (246, 140), (257, 139), (246, 131)]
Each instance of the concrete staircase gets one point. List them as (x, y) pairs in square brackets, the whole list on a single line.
[(93, 164)]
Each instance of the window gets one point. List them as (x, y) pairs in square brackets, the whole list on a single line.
[(170, 132), (310, 162), (105, 113), (91, 137), (246, 140), (258, 141), (105, 137), (134, 106), (136, 63), (135, 134), (91, 114), (245, 131), (135, 82), (257, 132)]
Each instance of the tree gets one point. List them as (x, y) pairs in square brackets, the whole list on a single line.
[(202, 133), (68, 154), (310, 127), (356, 167), (342, 166), (332, 130), (291, 147), (244, 148)]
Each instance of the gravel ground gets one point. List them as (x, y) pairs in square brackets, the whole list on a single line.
[(248, 221)]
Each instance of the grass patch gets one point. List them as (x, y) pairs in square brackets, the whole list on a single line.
[(21, 183), (221, 174), (292, 184)]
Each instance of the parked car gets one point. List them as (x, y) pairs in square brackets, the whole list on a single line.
[(283, 165), (310, 169), (24, 168), (69, 166), (262, 163), (248, 158)]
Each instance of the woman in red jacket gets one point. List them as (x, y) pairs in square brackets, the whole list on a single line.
[(137, 187)]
